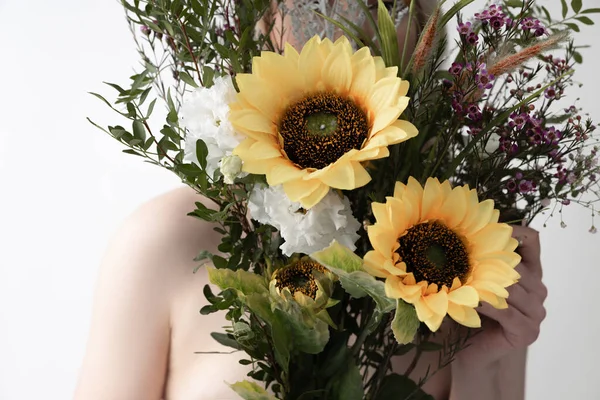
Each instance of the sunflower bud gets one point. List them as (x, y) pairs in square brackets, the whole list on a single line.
[(306, 283)]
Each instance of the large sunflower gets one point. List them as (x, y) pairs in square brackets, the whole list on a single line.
[(312, 118), (442, 250)]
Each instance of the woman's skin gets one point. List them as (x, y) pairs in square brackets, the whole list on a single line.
[(146, 328), (149, 342)]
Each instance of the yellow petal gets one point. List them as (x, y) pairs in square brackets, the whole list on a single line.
[(454, 208), (311, 62), (491, 238), (314, 197), (251, 120), (363, 73), (464, 296), (404, 86), (423, 310), (483, 214), (337, 70), (382, 239), (345, 175), (432, 198), (435, 322), (437, 302), (284, 171), (297, 189), (495, 301), (373, 264), (466, 316), (380, 212)]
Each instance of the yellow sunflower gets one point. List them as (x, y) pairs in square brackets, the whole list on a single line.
[(442, 250), (311, 118)]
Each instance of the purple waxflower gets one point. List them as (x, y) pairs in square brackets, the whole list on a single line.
[(495, 10), (519, 175), (458, 108), (528, 23), (483, 16), (518, 120), (497, 22), (511, 185), (483, 78), (525, 186), (473, 112), (552, 136), (550, 93), (456, 68), (541, 31), (537, 138), (145, 30), (472, 38), (464, 28)]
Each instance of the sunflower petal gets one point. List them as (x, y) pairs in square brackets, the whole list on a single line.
[(464, 296)]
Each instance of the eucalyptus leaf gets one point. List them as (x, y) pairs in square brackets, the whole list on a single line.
[(201, 153), (576, 5), (405, 322), (225, 340), (565, 8), (251, 391)]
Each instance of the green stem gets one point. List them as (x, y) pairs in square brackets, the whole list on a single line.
[(411, 11)]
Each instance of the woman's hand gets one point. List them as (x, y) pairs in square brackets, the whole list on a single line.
[(518, 326)]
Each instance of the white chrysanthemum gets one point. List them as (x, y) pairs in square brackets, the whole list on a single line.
[(204, 114), (305, 231)]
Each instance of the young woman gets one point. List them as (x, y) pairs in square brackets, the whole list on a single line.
[(149, 342)]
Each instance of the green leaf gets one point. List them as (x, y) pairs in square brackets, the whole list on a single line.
[(242, 281), (394, 387), (225, 340), (576, 5), (184, 76), (190, 170), (585, 20), (347, 383), (389, 38), (565, 8), (309, 335), (348, 267), (139, 132), (578, 59), (573, 26), (201, 153), (405, 322), (453, 11), (251, 391), (591, 11)]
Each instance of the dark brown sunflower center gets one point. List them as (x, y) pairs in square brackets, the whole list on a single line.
[(322, 127), (434, 253), (299, 277)]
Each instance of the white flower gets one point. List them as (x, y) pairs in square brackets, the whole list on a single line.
[(305, 231), (231, 167), (205, 115)]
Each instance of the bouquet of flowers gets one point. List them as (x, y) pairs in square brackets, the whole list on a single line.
[(363, 192)]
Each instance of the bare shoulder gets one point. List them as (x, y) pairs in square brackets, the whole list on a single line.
[(162, 240), (147, 266)]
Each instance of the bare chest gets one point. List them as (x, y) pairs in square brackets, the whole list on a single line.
[(199, 367)]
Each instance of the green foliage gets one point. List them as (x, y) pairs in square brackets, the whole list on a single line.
[(397, 386), (251, 391), (405, 323)]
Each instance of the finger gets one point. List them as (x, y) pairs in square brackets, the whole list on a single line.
[(529, 304), (531, 282), (529, 248)]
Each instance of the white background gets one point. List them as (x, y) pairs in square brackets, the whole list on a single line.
[(65, 188)]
